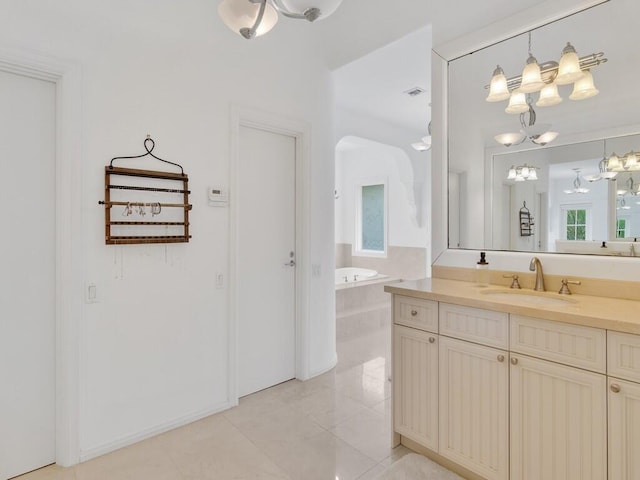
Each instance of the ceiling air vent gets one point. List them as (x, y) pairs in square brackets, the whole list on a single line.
[(414, 92)]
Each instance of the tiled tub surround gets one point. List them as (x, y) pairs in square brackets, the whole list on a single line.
[(401, 262), (499, 388)]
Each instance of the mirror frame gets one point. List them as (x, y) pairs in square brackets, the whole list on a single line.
[(441, 55)]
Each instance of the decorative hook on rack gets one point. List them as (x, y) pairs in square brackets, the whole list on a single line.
[(149, 150)]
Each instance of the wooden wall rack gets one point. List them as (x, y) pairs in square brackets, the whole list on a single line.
[(141, 193), (526, 221)]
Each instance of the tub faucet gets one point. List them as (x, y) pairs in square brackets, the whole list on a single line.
[(355, 278), (536, 266), (632, 250)]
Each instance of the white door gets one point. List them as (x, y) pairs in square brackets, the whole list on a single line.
[(27, 283), (266, 259)]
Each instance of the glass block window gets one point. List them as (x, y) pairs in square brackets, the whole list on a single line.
[(372, 229)]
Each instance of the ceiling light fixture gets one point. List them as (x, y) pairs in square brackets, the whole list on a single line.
[(605, 173), (545, 78), (522, 173), (539, 134), (577, 185), (253, 18), (425, 142)]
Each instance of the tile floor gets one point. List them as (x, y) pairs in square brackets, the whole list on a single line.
[(333, 427)]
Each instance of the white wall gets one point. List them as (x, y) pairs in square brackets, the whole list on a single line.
[(153, 350), (382, 142), (361, 161)]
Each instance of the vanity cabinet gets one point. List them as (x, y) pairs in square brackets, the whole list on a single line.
[(511, 397), (623, 367), (474, 407)]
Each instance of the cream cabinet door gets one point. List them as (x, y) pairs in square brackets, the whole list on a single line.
[(558, 421), (415, 385), (624, 430), (474, 407)]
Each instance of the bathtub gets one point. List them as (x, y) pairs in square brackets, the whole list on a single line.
[(360, 296), (354, 275)]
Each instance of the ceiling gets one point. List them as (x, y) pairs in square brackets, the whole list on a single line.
[(378, 52)]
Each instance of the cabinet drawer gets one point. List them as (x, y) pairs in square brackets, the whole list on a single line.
[(623, 352), (416, 313), (475, 324), (582, 347)]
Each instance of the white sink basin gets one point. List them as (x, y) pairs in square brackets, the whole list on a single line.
[(531, 298)]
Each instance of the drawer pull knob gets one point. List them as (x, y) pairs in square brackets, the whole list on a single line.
[(432, 340), (514, 361), (414, 313), (615, 388), (501, 358)]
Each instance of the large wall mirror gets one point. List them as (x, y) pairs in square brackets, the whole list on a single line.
[(549, 194)]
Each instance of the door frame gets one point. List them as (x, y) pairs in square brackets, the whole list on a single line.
[(67, 77), (249, 117)]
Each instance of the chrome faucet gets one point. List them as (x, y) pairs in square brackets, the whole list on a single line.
[(536, 266)]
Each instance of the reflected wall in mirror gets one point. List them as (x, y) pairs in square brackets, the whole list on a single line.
[(484, 204)]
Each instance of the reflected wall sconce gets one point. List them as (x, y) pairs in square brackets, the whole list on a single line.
[(540, 134), (522, 173), (253, 18), (545, 78), (577, 185)]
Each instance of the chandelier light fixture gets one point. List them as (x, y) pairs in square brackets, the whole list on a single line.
[(522, 173), (540, 134), (425, 142), (577, 185), (613, 164), (545, 78), (253, 18), (632, 188)]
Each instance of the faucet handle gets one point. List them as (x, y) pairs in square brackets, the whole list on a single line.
[(564, 289), (514, 282)]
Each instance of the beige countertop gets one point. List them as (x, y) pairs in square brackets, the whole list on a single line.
[(601, 312)]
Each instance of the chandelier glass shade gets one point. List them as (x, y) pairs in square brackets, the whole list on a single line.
[(531, 77), (545, 78), (498, 88), (569, 69), (253, 18), (584, 87), (540, 133), (549, 96)]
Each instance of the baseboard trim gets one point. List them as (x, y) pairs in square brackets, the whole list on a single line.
[(150, 432)]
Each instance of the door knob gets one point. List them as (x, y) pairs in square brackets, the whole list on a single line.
[(290, 263)]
